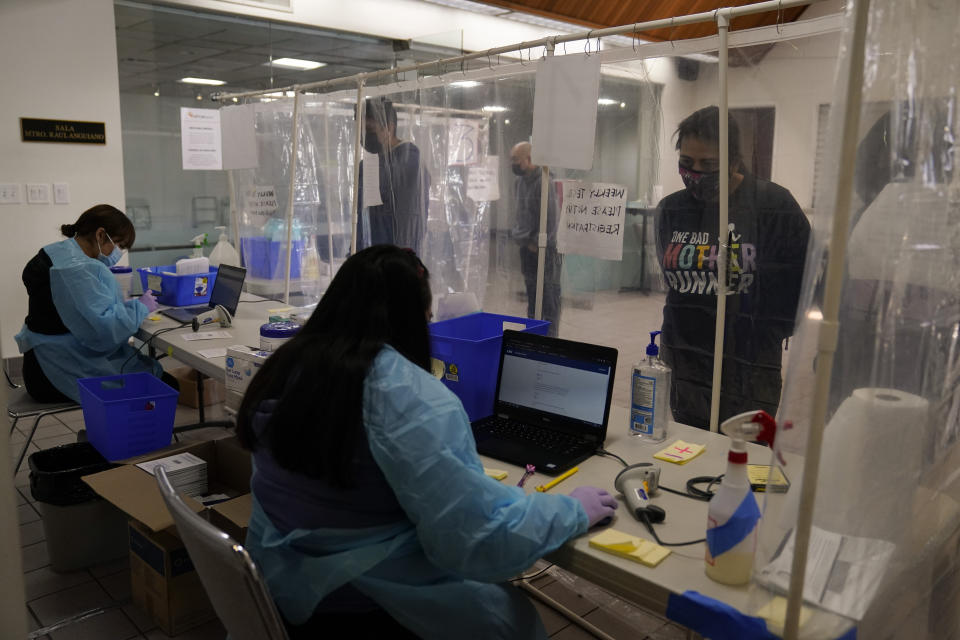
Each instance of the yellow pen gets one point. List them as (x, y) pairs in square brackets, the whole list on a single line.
[(557, 480)]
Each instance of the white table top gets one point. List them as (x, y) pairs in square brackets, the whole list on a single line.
[(685, 520), (252, 312)]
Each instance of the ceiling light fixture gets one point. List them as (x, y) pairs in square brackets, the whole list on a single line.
[(157, 93), (606, 102), (296, 63), (494, 108), (468, 5), (465, 84), (207, 81)]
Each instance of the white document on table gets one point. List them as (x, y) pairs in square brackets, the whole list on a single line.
[(216, 352), (843, 572), (206, 335)]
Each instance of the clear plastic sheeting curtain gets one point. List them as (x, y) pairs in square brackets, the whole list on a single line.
[(426, 152), (886, 523), (319, 234)]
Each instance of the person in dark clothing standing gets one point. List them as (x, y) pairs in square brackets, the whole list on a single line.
[(401, 219), (526, 231), (767, 237)]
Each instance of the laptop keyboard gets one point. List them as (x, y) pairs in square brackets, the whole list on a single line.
[(545, 439)]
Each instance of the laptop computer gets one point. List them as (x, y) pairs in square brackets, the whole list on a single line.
[(226, 292), (551, 404)]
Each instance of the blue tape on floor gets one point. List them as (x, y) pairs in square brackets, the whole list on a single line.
[(714, 619)]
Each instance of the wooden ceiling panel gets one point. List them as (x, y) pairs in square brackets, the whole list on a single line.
[(612, 13)]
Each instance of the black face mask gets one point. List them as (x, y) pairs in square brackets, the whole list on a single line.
[(517, 170), (702, 185), (372, 143)]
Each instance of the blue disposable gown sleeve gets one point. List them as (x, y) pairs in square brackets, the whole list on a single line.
[(88, 300), (467, 523)]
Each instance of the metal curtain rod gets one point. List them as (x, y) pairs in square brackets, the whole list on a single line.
[(705, 16)]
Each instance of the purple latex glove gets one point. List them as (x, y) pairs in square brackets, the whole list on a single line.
[(149, 301), (598, 504)]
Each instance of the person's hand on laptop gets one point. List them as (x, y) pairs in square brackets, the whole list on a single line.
[(598, 504), (149, 301)]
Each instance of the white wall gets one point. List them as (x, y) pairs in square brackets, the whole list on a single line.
[(795, 77), (62, 64)]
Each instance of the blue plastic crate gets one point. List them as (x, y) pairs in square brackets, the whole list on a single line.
[(179, 291), (264, 259), (127, 415), (469, 348)]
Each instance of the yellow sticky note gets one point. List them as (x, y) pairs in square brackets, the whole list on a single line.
[(631, 547), (155, 318), (279, 310), (775, 612), (496, 474), (680, 452)]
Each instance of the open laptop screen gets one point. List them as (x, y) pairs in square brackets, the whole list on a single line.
[(542, 378), (227, 287)]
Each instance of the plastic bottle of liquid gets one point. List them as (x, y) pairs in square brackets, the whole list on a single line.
[(223, 252), (733, 513), (197, 263), (650, 395)]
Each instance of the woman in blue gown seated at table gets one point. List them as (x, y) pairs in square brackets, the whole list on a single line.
[(78, 323), (371, 508)]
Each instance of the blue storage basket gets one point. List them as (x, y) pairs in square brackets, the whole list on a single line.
[(469, 348), (127, 415), (185, 290), (264, 259)]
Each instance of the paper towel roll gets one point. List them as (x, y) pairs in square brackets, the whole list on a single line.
[(871, 460)]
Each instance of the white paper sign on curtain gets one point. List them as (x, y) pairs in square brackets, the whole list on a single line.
[(592, 219), (200, 139), (483, 180), (371, 180), (462, 141), (260, 200), (238, 132), (565, 111)]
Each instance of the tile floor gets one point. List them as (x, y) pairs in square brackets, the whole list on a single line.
[(53, 597)]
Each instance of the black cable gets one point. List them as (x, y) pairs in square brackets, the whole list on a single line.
[(531, 577), (604, 452), (695, 493), (148, 341), (660, 542)]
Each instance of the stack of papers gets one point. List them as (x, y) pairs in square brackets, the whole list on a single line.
[(186, 472), (630, 547)]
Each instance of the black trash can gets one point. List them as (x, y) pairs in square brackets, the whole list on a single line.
[(82, 529)]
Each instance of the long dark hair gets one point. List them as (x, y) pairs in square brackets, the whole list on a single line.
[(379, 296), (114, 222)]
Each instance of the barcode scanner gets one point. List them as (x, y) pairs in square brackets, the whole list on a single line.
[(636, 483)]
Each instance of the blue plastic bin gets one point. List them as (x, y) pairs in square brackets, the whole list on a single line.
[(469, 348), (179, 291), (127, 415), (264, 259)]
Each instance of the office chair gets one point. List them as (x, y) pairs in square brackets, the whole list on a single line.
[(20, 405), (231, 579)]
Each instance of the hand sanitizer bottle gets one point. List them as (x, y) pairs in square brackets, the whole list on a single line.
[(650, 395)]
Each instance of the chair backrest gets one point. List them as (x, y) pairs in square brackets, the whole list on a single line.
[(230, 577)]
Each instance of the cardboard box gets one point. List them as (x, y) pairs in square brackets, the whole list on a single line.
[(241, 365), (213, 389), (163, 581)]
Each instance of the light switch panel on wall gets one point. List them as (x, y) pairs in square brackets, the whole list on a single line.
[(38, 193), (9, 193), (61, 193)]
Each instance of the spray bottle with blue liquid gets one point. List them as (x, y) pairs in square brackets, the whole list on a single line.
[(650, 395)]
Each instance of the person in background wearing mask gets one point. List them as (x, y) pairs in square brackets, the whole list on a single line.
[(78, 323), (767, 238), (371, 508), (526, 231), (401, 219)]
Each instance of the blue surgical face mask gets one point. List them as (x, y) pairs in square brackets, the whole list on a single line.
[(114, 256)]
